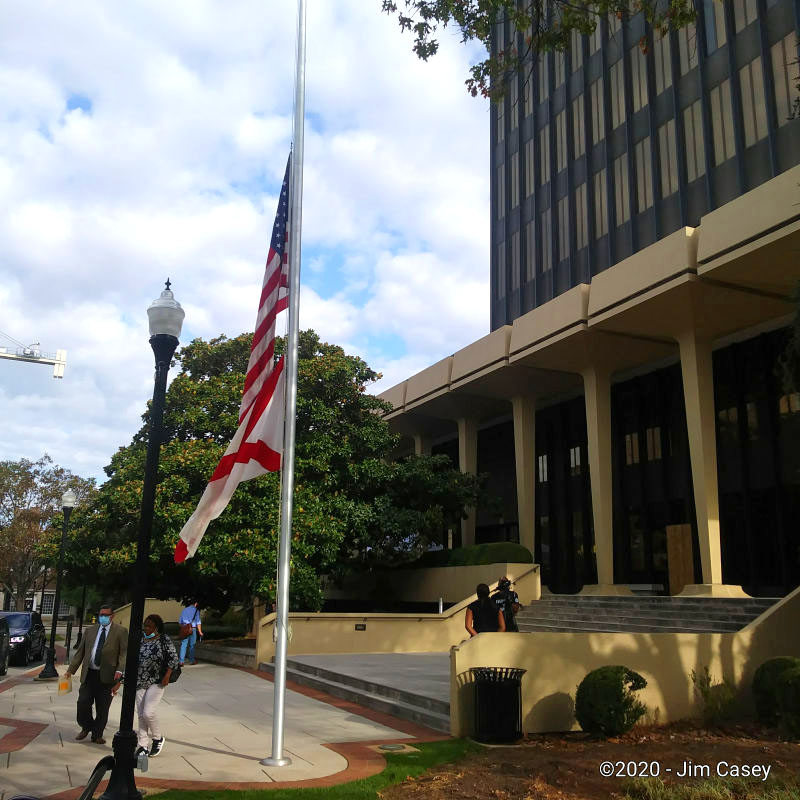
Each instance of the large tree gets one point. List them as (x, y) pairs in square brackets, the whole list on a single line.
[(31, 518), (353, 507), (544, 25)]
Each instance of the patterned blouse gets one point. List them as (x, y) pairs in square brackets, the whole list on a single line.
[(152, 662)]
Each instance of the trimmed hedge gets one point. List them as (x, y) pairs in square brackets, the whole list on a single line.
[(789, 702), (765, 686), (605, 704), (475, 555)]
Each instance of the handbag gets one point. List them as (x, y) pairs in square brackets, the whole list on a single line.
[(186, 627), (176, 672)]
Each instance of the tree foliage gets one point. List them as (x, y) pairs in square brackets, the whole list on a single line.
[(353, 509), (544, 25), (31, 519)]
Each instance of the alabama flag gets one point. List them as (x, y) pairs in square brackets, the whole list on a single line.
[(256, 447)]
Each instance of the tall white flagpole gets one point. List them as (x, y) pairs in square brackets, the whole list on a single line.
[(287, 466)]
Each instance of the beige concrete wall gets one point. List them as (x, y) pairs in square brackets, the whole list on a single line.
[(383, 633), (168, 610), (557, 662)]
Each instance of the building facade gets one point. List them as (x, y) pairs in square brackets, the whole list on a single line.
[(645, 244)]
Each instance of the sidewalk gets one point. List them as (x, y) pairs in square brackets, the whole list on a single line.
[(217, 722)]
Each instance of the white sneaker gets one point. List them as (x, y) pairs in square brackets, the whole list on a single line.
[(157, 747)]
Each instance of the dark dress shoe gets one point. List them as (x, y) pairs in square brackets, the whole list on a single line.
[(98, 740), (81, 735)]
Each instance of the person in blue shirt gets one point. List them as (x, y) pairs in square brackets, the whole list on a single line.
[(190, 616)]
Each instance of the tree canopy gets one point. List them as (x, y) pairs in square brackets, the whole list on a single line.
[(544, 25), (31, 518), (353, 507)]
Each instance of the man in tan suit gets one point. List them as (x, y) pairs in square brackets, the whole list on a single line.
[(101, 656)]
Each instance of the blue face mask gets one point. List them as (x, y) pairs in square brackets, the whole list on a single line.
[(104, 619), (149, 635)]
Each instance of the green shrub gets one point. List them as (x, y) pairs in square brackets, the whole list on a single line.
[(605, 704), (475, 555), (789, 702), (719, 699), (765, 687)]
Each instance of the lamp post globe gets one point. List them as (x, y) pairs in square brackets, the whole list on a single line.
[(49, 673), (165, 317)]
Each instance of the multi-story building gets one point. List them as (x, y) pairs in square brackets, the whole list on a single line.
[(645, 243)]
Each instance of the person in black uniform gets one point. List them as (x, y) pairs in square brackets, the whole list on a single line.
[(507, 601), (483, 615)]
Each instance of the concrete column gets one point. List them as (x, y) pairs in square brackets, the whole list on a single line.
[(422, 445), (524, 408), (597, 389), (698, 392), (468, 462)]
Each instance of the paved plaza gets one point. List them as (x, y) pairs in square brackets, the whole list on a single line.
[(217, 722)]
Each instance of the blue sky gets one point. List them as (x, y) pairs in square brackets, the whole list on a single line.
[(116, 172)]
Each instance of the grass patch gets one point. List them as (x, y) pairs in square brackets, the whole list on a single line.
[(778, 788), (399, 766)]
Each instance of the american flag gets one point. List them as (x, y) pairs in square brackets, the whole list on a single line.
[(256, 447)]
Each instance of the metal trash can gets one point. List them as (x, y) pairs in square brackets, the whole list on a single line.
[(498, 703)]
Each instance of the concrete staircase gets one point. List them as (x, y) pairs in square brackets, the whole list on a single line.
[(424, 710), (638, 614)]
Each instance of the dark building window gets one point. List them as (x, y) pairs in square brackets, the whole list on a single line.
[(501, 120), (501, 191), (547, 242), (544, 83), (621, 196), (687, 48), (542, 465), (513, 98), (500, 270), (530, 250), (662, 58), (561, 141), (754, 107), (722, 121), (530, 168), (595, 39), (574, 461), (563, 228), (578, 129), (515, 261), (581, 218), (576, 51), (631, 449), (653, 436), (600, 206), (693, 139), (744, 12), (644, 175), (544, 154), (514, 180), (616, 76), (714, 13), (638, 77), (668, 158), (598, 111), (559, 59)]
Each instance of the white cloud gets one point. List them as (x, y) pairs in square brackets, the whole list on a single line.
[(172, 168)]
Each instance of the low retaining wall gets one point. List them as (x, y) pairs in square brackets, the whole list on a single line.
[(557, 662), (168, 610), (316, 634)]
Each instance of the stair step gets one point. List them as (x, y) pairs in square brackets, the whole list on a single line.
[(677, 622), (612, 628), (413, 712)]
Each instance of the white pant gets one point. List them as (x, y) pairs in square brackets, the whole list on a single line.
[(147, 701)]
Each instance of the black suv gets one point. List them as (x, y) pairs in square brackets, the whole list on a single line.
[(27, 635)]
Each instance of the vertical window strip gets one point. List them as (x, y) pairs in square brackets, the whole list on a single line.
[(560, 69), (598, 111), (576, 51), (578, 126), (514, 101), (621, 197), (544, 154), (714, 14), (693, 138), (514, 180), (744, 12), (561, 141), (530, 250), (500, 270), (581, 218), (663, 62), (644, 175), (547, 242), (515, 261), (722, 122), (595, 39), (563, 228), (638, 77), (668, 157), (754, 107), (501, 119), (501, 191), (687, 48), (617, 95), (785, 73), (600, 207), (530, 168), (544, 83), (528, 94)]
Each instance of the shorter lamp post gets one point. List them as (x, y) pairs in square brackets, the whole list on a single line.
[(49, 673), (166, 319)]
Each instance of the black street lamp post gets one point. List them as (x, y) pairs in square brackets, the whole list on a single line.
[(166, 318), (49, 673)]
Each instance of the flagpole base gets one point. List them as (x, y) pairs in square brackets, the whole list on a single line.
[(275, 762)]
